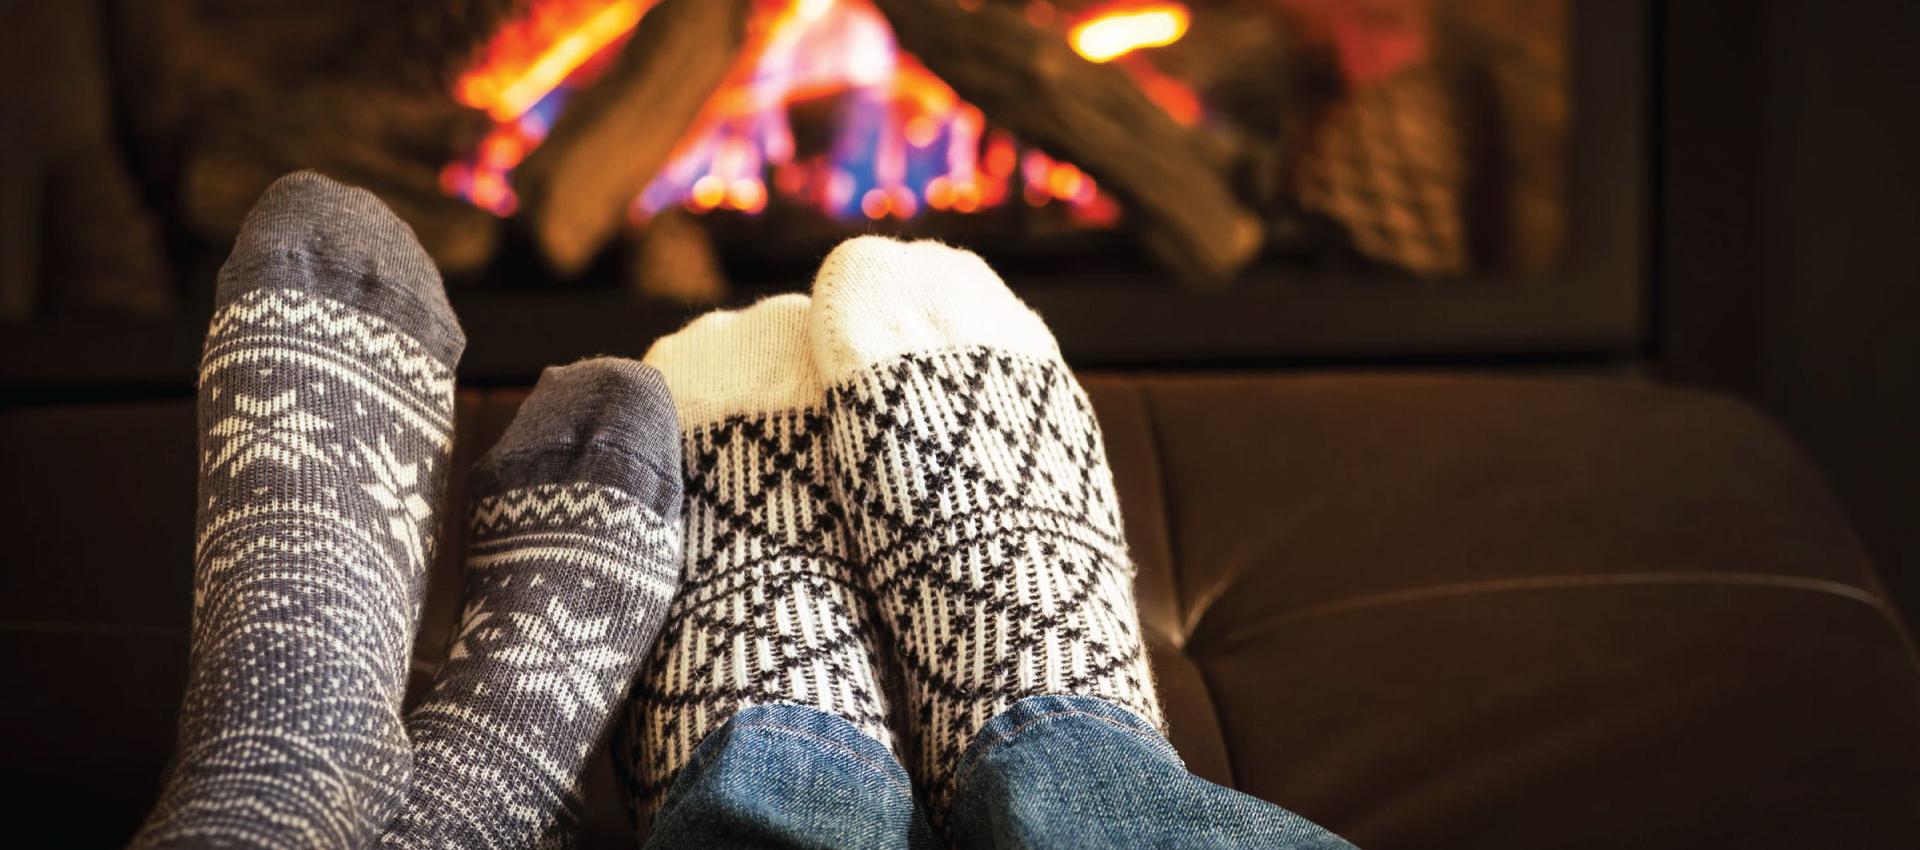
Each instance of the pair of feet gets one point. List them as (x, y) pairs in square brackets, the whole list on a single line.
[(326, 425), (898, 474)]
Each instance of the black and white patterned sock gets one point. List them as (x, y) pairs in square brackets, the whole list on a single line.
[(574, 553), (977, 491), (326, 420), (769, 611)]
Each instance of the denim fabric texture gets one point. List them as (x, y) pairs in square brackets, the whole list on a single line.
[(790, 776), (1050, 772), (1073, 772)]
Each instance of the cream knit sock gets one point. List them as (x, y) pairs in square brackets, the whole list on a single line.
[(978, 495), (769, 611)]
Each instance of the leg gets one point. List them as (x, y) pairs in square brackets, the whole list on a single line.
[(575, 552), (1072, 772), (326, 420), (770, 615), (788, 776)]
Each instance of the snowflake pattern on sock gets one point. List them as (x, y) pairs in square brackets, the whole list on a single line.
[(325, 433), (566, 587)]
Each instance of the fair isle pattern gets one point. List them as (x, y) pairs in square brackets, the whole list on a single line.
[(325, 433), (566, 584), (331, 330), (978, 494), (769, 611)]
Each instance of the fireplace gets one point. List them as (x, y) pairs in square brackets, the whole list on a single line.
[(1187, 182)]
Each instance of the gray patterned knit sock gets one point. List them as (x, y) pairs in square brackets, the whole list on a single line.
[(977, 492), (575, 552), (770, 611), (326, 418)]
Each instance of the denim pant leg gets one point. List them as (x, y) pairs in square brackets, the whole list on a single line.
[(786, 776), (1060, 772)]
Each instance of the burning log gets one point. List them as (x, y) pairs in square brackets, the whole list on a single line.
[(575, 189), (674, 258), (1031, 81), (389, 142)]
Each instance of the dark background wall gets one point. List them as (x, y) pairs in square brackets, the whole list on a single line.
[(1790, 257)]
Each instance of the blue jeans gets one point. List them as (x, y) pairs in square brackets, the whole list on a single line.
[(1050, 772)]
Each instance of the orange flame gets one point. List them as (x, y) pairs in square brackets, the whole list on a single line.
[(530, 58), (1111, 35)]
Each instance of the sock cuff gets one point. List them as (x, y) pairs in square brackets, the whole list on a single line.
[(606, 421), (876, 299), (740, 362), (311, 233)]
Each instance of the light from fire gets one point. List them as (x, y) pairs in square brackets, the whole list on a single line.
[(1109, 36), (901, 140)]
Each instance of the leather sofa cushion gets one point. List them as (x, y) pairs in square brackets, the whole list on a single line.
[(1441, 611)]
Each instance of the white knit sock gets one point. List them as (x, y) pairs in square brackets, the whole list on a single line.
[(769, 610), (977, 490)]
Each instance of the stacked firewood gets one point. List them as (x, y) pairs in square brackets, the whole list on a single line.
[(1176, 183)]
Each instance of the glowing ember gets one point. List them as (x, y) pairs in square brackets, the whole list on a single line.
[(902, 141), (1112, 35)]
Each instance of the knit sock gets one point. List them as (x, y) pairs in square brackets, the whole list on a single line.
[(574, 555), (326, 419), (978, 495), (770, 611)]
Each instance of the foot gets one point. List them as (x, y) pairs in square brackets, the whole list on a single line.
[(574, 553), (977, 491), (770, 611), (326, 420)]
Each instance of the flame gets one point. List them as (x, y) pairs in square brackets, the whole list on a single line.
[(1111, 35), (897, 130), (513, 76), (902, 141)]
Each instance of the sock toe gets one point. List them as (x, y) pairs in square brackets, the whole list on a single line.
[(876, 299), (607, 420), (312, 233), (740, 362)]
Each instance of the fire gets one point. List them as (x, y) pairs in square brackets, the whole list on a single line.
[(896, 127), (527, 59), (1109, 36), (902, 141)]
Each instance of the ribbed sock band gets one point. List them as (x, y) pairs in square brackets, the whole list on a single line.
[(326, 420), (770, 611), (574, 555), (977, 493)]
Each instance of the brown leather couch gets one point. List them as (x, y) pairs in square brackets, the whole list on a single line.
[(1425, 611)]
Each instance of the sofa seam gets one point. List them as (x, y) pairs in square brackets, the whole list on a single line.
[(1774, 581), (1157, 447)]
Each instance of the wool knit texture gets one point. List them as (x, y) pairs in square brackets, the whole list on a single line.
[(977, 492), (326, 420), (769, 611), (574, 553)]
